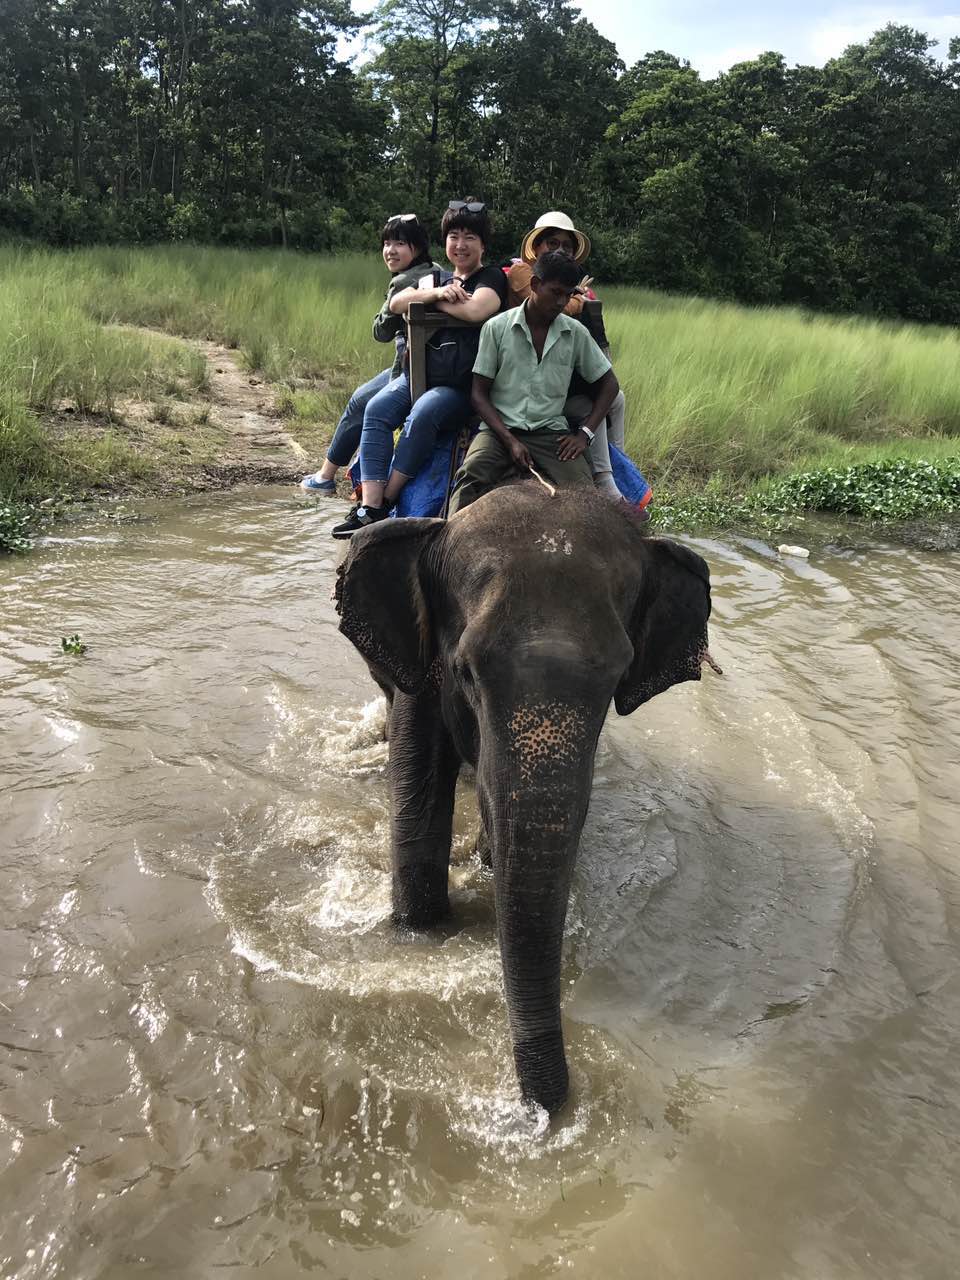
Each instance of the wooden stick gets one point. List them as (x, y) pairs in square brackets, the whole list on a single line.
[(549, 487)]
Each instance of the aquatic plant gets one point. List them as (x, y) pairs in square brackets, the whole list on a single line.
[(72, 644), (885, 489), (897, 489), (16, 520)]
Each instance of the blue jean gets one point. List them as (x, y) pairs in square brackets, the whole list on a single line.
[(347, 435), (439, 409)]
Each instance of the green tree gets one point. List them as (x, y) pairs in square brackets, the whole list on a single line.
[(834, 186), (550, 89), (427, 48)]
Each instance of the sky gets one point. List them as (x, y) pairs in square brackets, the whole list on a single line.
[(715, 35)]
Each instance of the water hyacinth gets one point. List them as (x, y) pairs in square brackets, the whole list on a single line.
[(891, 490), (15, 523)]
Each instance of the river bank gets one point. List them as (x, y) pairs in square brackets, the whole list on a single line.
[(176, 369)]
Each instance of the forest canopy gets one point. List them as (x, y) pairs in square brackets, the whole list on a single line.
[(236, 122)]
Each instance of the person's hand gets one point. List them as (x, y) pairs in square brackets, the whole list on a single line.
[(520, 455), (571, 447), (453, 292)]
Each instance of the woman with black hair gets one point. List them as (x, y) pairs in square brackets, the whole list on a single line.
[(406, 251), (474, 294)]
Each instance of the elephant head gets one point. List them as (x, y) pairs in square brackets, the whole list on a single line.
[(507, 631)]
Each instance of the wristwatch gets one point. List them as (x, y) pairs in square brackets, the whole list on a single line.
[(587, 432)]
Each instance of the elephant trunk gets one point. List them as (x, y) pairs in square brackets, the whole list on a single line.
[(532, 877), (534, 792)]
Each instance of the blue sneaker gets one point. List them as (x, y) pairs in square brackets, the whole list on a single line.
[(313, 484)]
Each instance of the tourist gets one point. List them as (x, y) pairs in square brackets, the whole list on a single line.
[(475, 293), (406, 252)]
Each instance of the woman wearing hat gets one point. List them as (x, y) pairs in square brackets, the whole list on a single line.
[(555, 233)]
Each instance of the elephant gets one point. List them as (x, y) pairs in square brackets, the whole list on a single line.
[(500, 637)]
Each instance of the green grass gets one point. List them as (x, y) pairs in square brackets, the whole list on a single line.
[(55, 354), (291, 315), (53, 348), (721, 399), (718, 389)]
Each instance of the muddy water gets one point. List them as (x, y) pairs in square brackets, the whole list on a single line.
[(216, 1059)]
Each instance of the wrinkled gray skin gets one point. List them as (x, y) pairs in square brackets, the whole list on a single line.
[(500, 638)]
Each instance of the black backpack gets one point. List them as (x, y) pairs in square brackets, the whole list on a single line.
[(450, 357)]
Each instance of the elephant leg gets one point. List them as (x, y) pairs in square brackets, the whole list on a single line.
[(423, 772)]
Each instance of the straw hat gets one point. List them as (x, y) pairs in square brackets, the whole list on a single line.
[(559, 220)]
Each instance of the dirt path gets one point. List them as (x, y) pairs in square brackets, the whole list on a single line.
[(242, 404), (256, 448)]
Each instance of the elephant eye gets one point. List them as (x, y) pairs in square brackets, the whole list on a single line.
[(464, 677), (463, 671)]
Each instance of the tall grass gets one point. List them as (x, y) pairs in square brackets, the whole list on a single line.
[(713, 390), (53, 346), (289, 314), (54, 352)]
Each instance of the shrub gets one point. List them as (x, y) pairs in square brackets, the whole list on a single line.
[(187, 221), (144, 218)]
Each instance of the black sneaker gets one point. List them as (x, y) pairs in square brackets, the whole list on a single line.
[(359, 518)]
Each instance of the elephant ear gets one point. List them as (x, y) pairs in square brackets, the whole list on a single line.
[(382, 602), (668, 628)]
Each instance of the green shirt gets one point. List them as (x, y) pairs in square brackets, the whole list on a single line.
[(529, 394), (390, 328)]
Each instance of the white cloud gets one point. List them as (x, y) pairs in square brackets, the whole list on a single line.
[(832, 35), (715, 39), (711, 64)]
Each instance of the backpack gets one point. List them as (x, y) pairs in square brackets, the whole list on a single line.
[(450, 357)]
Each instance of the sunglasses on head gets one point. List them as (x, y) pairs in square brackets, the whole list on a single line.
[(402, 217), (475, 206)]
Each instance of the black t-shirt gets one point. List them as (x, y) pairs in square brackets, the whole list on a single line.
[(594, 326), (487, 278), (451, 353)]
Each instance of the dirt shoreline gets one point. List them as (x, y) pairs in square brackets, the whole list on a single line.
[(258, 449)]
